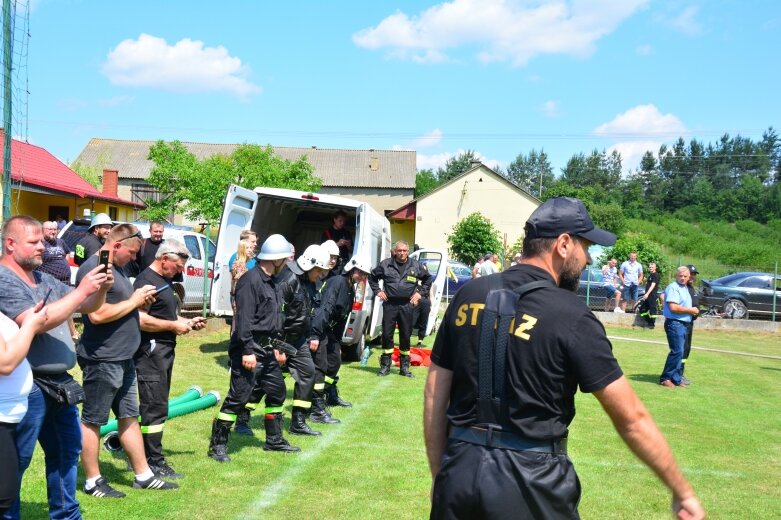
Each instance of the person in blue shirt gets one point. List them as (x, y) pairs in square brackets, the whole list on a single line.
[(678, 311)]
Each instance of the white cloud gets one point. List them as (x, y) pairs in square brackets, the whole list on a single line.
[(438, 160), (644, 50), (501, 30), (639, 129), (686, 23), (642, 120), (429, 139), (186, 66), (550, 108)]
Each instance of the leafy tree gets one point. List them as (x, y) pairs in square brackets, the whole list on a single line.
[(473, 237), (608, 216), (198, 188), (425, 181), (601, 170), (455, 166), (532, 173)]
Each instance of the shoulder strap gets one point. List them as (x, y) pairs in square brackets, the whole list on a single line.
[(494, 329)]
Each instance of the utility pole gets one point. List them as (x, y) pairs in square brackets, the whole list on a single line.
[(7, 53)]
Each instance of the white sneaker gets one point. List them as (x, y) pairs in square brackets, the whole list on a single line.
[(617, 309)]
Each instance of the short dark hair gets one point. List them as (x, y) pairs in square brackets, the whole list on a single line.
[(340, 213)]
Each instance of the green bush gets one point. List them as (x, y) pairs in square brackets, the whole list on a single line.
[(473, 237)]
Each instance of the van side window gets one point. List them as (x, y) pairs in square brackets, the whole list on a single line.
[(212, 248), (192, 245)]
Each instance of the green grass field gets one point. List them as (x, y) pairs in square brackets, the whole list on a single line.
[(725, 430)]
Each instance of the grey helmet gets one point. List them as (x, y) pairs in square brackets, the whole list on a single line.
[(100, 219), (275, 247)]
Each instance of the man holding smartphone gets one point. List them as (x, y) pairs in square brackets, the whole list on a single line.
[(105, 353), (160, 324), (48, 421)]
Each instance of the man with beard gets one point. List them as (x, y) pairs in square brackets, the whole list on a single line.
[(496, 437), (94, 239), (50, 420)]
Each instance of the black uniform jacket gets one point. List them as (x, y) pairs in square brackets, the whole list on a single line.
[(400, 280), (296, 302), (258, 314), (338, 296)]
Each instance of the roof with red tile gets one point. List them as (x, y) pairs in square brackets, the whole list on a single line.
[(35, 166)]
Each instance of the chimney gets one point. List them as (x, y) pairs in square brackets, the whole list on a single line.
[(110, 182)]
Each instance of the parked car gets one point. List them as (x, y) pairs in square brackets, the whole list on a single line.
[(462, 273), (592, 291), (742, 295)]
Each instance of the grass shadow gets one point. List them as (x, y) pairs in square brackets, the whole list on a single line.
[(34, 509), (645, 378), (771, 368), (221, 348)]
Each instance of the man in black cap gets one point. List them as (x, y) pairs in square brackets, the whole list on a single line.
[(496, 438)]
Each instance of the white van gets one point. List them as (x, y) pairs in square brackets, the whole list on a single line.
[(301, 218), (191, 289)]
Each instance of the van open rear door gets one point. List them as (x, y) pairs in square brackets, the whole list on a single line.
[(237, 214), (436, 262)]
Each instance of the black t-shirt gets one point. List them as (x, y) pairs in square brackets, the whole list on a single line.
[(558, 345), (116, 340), (164, 307), (86, 247), (652, 278)]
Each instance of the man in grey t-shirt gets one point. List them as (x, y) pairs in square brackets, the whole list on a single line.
[(111, 337), (51, 355)]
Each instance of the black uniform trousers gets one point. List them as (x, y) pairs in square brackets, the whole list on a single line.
[(492, 483), (333, 352), (267, 375), (320, 357), (420, 314), (154, 365), (396, 312), (687, 346), (302, 368)]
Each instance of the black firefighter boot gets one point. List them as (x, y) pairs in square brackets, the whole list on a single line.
[(385, 365), (298, 425), (218, 446), (332, 396), (404, 366), (319, 413), (274, 439), (242, 423)]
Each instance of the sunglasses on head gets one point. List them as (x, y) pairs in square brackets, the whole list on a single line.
[(137, 235)]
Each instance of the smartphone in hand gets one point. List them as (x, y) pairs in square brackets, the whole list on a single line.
[(42, 303), (103, 259), (162, 288)]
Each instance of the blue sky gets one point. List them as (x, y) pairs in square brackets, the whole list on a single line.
[(497, 77)]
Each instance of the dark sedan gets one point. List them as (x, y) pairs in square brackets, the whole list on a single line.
[(742, 295), (458, 275), (592, 289)]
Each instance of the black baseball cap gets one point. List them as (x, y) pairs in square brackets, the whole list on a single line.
[(565, 215), (692, 269)]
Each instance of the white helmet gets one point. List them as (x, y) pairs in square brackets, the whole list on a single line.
[(275, 248), (359, 262), (331, 247), (314, 256), (101, 219)]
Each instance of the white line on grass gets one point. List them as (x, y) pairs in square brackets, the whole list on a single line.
[(272, 493), (633, 465), (705, 349)]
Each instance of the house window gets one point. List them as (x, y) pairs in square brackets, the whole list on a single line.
[(113, 213), (374, 164)]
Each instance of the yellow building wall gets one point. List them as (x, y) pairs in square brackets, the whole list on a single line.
[(403, 230), (480, 191), (37, 206)]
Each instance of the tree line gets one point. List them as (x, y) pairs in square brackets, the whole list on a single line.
[(735, 178)]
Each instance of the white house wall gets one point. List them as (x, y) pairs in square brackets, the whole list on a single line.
[(480, 191)]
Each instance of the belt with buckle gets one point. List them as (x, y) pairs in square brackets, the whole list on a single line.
[(494, 438)]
